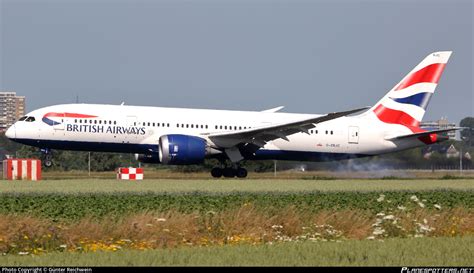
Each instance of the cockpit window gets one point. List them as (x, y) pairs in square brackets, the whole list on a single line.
[(30, 119), (22, 118)]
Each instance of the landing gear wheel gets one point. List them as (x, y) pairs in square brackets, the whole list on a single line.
[(229, 172), (216, 172), (47, 157), (48, 163), (241, 172)]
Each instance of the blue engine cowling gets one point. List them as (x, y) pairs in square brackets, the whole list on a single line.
[(181, 150)]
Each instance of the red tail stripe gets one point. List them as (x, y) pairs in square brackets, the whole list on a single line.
[(430, 73), (392, 116), (397, 117)]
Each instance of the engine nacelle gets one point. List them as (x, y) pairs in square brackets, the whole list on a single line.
[(181, 150)]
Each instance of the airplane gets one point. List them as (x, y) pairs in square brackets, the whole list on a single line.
[(180, 136)]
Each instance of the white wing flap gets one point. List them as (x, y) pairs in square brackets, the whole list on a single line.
[(261, 135)]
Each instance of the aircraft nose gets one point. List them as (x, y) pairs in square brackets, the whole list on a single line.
[(11, 132)]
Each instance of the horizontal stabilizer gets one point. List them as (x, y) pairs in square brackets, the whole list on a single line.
[(426, 133)]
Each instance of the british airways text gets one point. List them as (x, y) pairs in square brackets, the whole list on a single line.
[(116, 130)]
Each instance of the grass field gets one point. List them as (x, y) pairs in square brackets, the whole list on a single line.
[(225, 186), (151, 173), (98, 205), (309, 221), (392, 252)]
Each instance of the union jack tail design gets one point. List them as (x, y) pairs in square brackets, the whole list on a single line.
[(406, 103)]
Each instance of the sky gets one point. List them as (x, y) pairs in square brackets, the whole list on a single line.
[(309, 56)]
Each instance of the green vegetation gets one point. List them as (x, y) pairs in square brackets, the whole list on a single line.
[(392, 252), (77, 186), (237, 222), (75, 206)]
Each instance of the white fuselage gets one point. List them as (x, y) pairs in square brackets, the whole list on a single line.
[(137, 129)]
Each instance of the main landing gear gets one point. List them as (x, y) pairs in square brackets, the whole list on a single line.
[(228, 172), (47, 157)]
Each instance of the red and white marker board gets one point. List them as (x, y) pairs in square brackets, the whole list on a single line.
[(130, 173), (22, 169)]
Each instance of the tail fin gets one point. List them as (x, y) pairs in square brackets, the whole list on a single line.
[(406, 103)]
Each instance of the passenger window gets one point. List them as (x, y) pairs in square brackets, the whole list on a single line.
[(95, 121), (167, 125), (115, 122), (206, 126), (331, 132)]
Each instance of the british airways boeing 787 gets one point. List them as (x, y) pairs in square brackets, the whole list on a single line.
[(188, 136)]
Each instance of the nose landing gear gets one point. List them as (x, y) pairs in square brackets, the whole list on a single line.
[(47, 157)]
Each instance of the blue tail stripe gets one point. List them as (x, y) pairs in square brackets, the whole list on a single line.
[(420, 99)]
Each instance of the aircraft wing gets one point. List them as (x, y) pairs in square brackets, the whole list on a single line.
[(261, 135), (426, 133)]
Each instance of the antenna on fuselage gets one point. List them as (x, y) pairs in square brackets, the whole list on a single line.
[(122, 103)]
